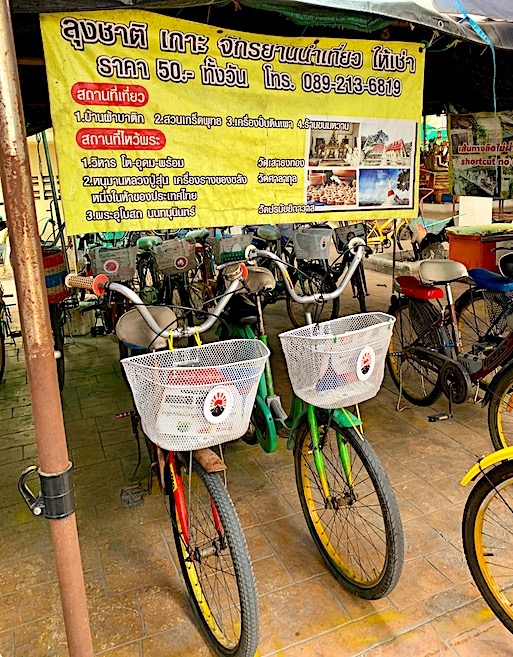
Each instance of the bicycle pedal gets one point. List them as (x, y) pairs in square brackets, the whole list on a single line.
[(439, 417), (132, 496)]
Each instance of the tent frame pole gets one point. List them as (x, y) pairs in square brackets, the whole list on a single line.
[(37, 336)]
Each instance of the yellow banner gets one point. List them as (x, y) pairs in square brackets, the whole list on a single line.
[(165, 123)]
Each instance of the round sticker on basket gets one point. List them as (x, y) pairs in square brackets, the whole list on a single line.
[(181, 262), (365, 363), (111, 266), (218, 405), (324, 242)]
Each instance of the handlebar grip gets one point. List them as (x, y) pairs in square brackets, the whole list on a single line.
[(84, 282), (234, 256), (96, 284)]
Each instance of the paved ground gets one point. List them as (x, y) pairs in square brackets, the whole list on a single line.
[(135, 595)]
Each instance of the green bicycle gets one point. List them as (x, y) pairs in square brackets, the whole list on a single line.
[(345, 495)]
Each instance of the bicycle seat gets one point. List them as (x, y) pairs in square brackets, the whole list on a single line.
[(136, 334), (197, 234), (441, 271), (147, 242), (489, 281), (410, 286), (268, 233), (259, 279)]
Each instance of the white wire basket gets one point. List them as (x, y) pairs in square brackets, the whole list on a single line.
[(228, 245), (175, 256), (312, 244), (118, 264), (338, 363), (197, 397)]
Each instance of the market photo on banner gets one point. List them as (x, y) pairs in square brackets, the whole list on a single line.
[(256, 328)]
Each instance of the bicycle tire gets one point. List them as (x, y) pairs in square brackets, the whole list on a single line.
[(311, 279), (417, 383), (403, 234), (345, 559), (58, 340), (486, 533), (500, 422), (2, 352), (234, 568)]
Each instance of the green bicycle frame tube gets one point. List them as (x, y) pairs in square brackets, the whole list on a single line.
[(344, 458), (268, 372), (317, 452)]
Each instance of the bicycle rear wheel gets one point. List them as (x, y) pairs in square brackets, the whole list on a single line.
[(359, 532), (312, 279), (215, 564), (488, 539), (417, 382)]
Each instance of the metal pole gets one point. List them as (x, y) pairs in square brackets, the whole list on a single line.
[(37, 336)]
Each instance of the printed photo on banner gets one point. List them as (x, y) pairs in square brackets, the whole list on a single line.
[(355, 164), (388, 143), (385, 188), (482, 154)]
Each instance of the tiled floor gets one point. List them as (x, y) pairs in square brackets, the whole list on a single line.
[(135, 595)]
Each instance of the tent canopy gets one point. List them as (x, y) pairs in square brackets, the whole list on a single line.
[(494, 16), (459, 67)]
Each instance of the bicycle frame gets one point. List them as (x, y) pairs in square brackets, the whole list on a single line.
[(268, 404), (501, 354), (379, 232)]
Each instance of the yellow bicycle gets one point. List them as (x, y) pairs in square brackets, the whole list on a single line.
[(379, 234), (488, 531)]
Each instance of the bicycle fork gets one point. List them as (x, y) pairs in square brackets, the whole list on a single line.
[(180, 504), (319, 458)]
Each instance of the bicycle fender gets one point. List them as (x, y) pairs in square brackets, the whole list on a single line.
[(209, 460), (345, 419), (486, 462), (269, 444)]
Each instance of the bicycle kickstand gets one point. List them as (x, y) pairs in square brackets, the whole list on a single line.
[(444, 416)]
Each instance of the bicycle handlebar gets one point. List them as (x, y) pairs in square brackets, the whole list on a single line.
[(99, 284), (356, 246)]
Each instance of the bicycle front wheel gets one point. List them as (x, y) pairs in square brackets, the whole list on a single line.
[(358, 531), (488, 539), (216, 565), (312, 279)]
